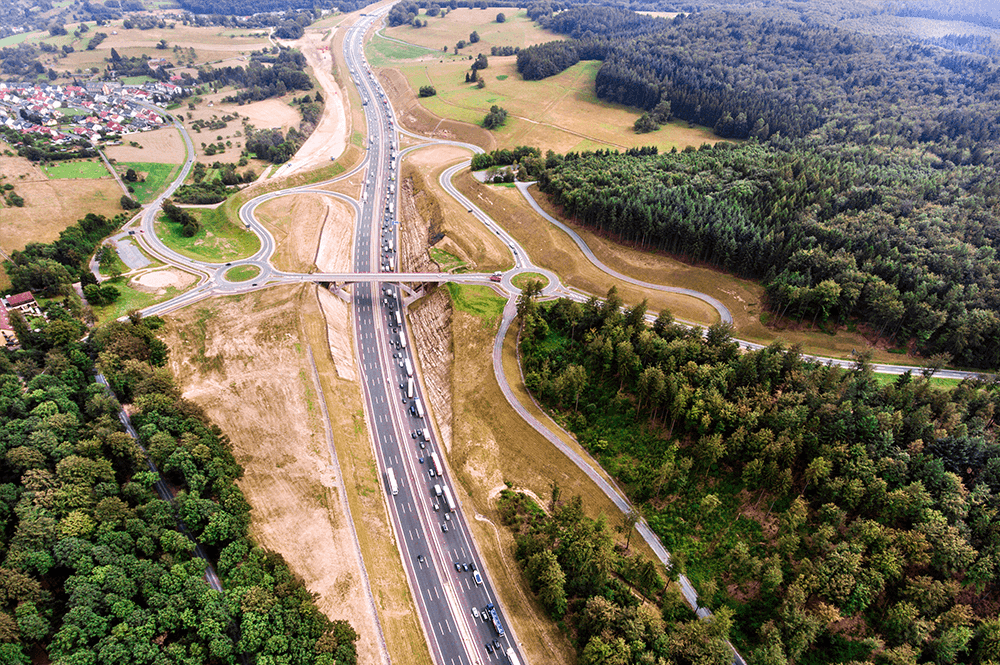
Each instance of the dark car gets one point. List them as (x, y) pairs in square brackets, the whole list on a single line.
[(489, 648), (465, 567), (420, 558), (496, 644), (458, 566)]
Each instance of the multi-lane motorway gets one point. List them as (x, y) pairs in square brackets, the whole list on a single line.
[(432, 536), (450, 586)]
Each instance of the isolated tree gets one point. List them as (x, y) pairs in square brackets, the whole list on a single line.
[(427, 91), (473, 37), (645, 124), (495, 118), (501, 18)]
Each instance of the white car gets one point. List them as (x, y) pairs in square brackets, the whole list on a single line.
[(475, 612)]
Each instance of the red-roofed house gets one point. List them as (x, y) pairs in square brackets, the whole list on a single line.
[(24, 303)]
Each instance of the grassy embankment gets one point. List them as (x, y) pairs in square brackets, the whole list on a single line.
[(218, 240)]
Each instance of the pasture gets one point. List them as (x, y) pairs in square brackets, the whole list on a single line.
[(560, 113), (49, 205), (86, 169)]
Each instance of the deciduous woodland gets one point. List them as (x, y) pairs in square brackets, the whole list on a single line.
[(96, 568), (826, 518)]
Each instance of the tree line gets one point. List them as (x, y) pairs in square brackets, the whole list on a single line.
[(794, 78), (832, 517), (50, 268), (266, 75), (94, 566)]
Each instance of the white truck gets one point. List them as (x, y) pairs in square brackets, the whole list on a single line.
[(409, 369), (393, 487)]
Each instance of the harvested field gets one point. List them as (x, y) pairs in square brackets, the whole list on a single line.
[(274, 113), (162, 145), (49, 205), (311, 232), (246, 361)]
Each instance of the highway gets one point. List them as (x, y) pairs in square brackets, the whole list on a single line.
[(431, 538)]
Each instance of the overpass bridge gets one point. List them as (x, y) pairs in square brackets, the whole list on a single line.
[(405, 280)]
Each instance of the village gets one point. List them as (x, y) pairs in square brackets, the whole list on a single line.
[(92, 110)]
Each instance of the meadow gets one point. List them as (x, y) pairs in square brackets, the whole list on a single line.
[(82, 169), (218, 240), (560, 113)]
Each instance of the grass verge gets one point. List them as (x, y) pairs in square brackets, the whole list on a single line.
[(131, 299), (446, 261), (520, 281)]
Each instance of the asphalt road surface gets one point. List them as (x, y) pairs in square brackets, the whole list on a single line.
[(431, 537)]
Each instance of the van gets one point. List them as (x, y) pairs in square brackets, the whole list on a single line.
[(476, 576), (437, 490)]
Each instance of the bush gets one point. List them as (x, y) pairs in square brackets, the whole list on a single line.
[(495, 118), (427, 91), (501, 18)]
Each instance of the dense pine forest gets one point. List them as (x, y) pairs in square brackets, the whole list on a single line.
[(825, 517), (862, 189), (94, 566)]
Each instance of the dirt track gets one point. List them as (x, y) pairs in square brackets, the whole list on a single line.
[(330, 138)]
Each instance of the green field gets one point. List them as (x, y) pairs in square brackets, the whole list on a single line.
[(561, 113), (242, 273), (157, 178), (89, 169), (446, 261), (477, 300), (129, 300), (136, 80), (13, 40), (382, 52), (218, 240)]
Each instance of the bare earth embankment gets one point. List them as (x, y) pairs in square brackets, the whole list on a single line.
[(242, 360)]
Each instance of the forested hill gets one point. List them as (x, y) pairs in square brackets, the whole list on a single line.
[(833, 520), (890, 239), (746, 75), (94, 566)]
